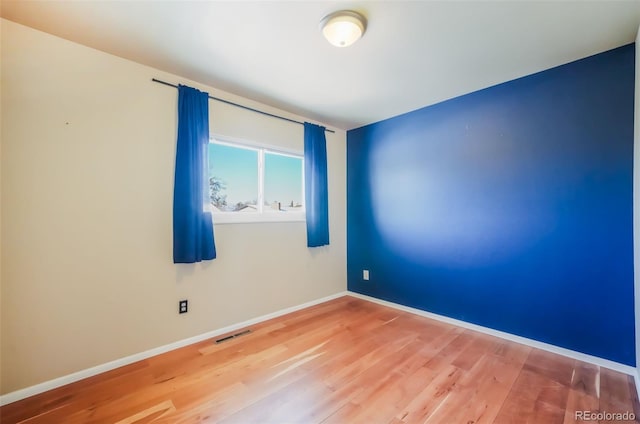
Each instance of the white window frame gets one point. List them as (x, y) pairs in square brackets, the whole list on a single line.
[(262, 214)]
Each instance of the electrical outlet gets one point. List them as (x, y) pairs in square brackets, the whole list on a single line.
[(183, 306), (365, 274)]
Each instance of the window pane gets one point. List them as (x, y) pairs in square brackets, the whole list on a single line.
[(233, 178), (282, 182)]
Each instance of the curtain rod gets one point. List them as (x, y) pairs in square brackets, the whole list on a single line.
[(241, 106)]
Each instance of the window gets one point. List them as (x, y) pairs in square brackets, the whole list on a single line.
[(250, 183)]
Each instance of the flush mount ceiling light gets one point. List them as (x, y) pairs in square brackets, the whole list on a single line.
[(343, 28)]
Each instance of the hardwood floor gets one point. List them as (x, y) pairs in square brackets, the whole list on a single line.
[(344, 361)]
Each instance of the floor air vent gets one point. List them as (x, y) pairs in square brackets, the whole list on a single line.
[(233, 336)]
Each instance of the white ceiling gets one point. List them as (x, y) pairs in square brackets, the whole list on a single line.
[(414, 53)]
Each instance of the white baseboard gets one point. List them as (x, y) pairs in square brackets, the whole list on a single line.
[(89, 372), (625, 369)]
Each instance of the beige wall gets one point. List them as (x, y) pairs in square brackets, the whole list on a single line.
[(88, 145)]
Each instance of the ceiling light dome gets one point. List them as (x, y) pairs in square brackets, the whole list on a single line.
[(343, 28)]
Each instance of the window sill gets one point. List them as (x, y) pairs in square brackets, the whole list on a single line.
[(248, 218)]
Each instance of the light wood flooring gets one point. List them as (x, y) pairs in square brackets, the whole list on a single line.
[(344, 361)]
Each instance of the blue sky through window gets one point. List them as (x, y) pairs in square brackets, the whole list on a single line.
[(282, 179), (238, 170)]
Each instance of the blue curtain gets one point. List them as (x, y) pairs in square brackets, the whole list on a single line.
[(315, 180), (192, 224)]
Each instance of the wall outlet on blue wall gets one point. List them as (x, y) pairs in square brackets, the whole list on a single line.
[(365, 274)]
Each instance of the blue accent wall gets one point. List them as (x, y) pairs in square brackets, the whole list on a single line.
[(510, 207)]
